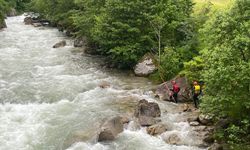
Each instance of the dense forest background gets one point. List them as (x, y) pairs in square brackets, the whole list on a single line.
[(202, 40)]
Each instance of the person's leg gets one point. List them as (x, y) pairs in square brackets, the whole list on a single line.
[(176, 97), (195, 100)]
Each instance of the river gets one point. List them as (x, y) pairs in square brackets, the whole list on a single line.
[(48, 96)]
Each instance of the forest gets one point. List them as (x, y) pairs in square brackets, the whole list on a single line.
[(203, 41)]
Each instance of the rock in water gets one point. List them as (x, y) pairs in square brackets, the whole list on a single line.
[(173, 139), (111, 129), (156, 129), (146, 66), (145, 108), (60, 44), (185, 90), (146, 112)]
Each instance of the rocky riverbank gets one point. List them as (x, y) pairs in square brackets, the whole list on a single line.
[(149, 116)]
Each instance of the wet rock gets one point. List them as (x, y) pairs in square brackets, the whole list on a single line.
[(111, 129), (216, 146), (156, 129), (194, 123), (60, 44), (12, 12), (184, 95), (200, 128), (205, 119), (80, 42), (149, 109), (125, 120), (193, 119), (104, 84), (173, 139), (37, 24), (30, 21), (146, 121), (146, 66)]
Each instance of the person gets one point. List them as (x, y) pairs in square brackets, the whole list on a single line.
[(175, 90), (196, 93)]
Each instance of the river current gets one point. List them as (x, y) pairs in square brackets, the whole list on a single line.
[(51, 97)]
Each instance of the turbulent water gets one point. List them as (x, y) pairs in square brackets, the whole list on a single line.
[(50, 98)]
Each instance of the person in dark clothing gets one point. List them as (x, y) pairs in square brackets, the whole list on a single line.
[(175, 90)]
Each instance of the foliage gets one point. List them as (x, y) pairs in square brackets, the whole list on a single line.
[(227, 68)]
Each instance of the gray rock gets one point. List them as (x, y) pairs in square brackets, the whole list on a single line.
[(173, 139), (37, 24), (149, 109), (146, 121), (194, 123), (156, 129), (146, 66), (60, 44), (205, 119), (111, 129), (12, 12)]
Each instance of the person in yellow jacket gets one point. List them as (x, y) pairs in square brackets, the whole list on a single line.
[(196, 93)]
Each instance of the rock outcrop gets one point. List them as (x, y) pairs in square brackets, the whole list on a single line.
[(163, 90), (146, 66), (60, 44), (111, 129), (146, 112)]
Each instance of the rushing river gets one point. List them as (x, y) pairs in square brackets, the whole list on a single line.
[(49, 96)]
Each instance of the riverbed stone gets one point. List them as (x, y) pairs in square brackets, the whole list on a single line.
[(145, 66), (149, 109), (60, 44), (216, 146), (163, 90), (173, 139), (194, 123), (111, 129), (205, 119), (156, 129)]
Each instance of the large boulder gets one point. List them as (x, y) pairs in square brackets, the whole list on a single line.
[(146, 66), (12, 12), (163, 90), (146, 112), (60, 44), (145, 108), (157, 129), (111, 129)]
